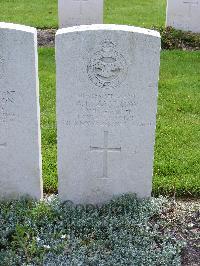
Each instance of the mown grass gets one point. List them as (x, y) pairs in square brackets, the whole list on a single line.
[(143, 13), (48, 117), (35, 13), (177, 152), (43, 13), (177, 157)]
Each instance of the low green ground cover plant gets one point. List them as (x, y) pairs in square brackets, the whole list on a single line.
[(43, 13), (177, 39), (177, 153), (125, 231)]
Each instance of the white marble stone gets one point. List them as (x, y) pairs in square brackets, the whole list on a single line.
[(80, 12), (20, 151), (107, 79), (183, 15)]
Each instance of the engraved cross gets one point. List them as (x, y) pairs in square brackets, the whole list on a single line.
[(81, 5), (105, 149)]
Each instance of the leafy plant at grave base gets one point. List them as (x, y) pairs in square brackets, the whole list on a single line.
[(121, 232), (177, 39)]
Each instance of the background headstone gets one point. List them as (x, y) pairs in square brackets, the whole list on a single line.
[(184, 15), (20, 151), (80, 12), (107, 79)]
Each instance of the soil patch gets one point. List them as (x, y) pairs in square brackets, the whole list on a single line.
[(46, 38), (183, 221)]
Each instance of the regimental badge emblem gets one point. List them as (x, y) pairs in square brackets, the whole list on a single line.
[(107, 67)]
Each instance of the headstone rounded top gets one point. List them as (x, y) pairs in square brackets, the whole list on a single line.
[(20, 149), (107, 86), (111, 27), (18, 27)]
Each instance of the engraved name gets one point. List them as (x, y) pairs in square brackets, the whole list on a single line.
[(7, 100), (104, 108), (2, 70)]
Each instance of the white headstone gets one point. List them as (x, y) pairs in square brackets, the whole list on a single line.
[(107, 79), (20, 151), (184, 15), (80, 12)]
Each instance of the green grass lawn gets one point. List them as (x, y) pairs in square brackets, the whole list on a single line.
[(177, 153), (177, 156), (36, 13), (143, 13), (43, 13)]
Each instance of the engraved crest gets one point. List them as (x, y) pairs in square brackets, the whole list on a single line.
[(107, 67)]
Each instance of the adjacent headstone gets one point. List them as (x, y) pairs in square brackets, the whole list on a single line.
[(107, 79), (20, 151), (184, 15), (80, 12)]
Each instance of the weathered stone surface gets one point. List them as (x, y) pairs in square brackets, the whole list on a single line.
[(184, 15), (107, 78), (80, 12), (20, 151)]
